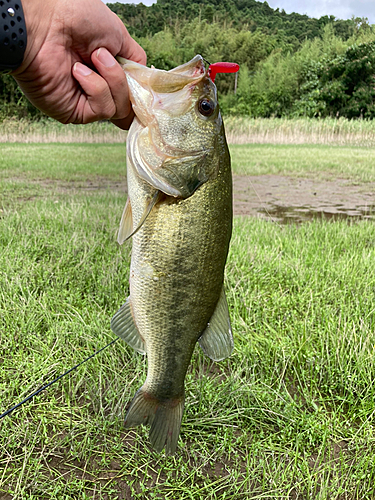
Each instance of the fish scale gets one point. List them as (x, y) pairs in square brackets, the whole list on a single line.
[(181, 292)]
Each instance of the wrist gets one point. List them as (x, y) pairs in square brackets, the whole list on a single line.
[(38, 18), (13, 36)]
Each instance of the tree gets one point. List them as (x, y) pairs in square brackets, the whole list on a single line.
[(348, 83)]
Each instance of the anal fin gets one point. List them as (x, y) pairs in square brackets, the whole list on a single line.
[(217, 339), (122, 324)]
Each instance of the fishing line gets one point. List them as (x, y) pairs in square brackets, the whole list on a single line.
[(56, 379)]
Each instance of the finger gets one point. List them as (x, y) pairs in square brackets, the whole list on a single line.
[(96, 101), (115, 77)]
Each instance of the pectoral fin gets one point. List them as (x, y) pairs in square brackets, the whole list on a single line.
[(126, 224), (122, 324), (217, 340)]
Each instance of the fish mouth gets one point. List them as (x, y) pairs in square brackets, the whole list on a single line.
[(162, 81), (193, 68)]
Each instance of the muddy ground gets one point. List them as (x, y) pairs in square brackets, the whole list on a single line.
[(283, 198), (274, 197)]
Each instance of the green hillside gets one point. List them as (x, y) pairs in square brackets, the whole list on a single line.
[(249, 14), (291, 65)]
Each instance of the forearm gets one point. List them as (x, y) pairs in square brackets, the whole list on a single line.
[(39, 20)]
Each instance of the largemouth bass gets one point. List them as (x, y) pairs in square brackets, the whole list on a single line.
[(179, 212)]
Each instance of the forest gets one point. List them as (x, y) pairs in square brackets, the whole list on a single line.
[(291, 65)]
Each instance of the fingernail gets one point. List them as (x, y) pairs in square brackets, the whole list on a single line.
[(106, 58), (81, 69)]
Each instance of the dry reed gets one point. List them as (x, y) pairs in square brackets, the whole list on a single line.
[(24, 131), (330, 131), (239, 130)]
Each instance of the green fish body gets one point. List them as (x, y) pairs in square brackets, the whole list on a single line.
[(179, 212)]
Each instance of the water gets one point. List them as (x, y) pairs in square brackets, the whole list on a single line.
[(290, 199), (299, 214)]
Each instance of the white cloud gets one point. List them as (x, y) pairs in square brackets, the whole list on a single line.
[(341, 9), (145, 2)]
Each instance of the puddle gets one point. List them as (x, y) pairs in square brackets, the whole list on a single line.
[(288, 199), (285, 215)]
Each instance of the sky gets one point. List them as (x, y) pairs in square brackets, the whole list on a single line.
[(145, 2), (342, 9)]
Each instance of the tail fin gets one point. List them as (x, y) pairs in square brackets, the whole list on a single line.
[(163, 416)]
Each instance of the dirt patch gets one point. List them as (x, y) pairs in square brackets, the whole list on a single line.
[(274, 197), (278, 197), (284, 199)]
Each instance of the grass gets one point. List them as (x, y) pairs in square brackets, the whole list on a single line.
[(69, 162), (82, 163), (290, 415), (307, 160)]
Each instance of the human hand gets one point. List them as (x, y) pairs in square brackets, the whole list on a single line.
[(69, 71)]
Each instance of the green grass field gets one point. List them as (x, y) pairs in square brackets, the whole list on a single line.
[(82, 162), (290, 415)]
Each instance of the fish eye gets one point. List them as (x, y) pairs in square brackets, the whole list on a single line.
[(206, 107)]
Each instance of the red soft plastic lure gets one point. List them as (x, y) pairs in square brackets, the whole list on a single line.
[(222, 67)]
